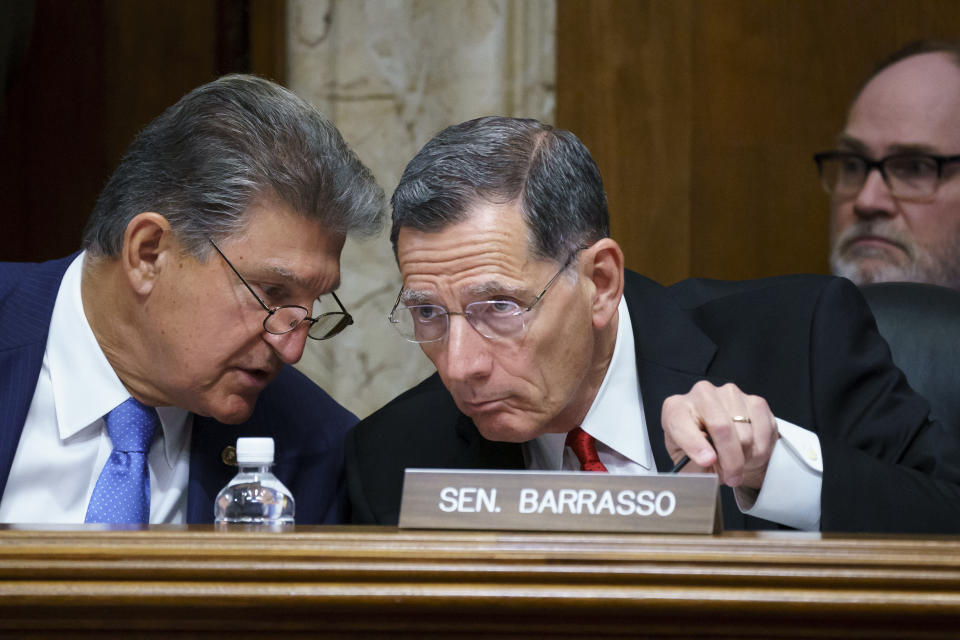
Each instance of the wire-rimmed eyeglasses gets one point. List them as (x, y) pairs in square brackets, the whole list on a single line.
[(493, 319), (287, 318), (909, 176)]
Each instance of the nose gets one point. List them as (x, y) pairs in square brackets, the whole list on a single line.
[(467, 354), (874, 198), (289, 346)]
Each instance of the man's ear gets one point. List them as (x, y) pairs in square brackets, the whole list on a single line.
[(603, 265), (147, 241)]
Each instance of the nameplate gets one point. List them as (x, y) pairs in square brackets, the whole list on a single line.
[(559, 501)]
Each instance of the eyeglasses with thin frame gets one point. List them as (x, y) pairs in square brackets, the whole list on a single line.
[(909, 176), (287, 318), (493, 319)]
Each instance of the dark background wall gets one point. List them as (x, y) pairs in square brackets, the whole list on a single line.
[(81, 78), (703, 116)]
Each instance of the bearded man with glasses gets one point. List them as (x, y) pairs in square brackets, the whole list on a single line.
[(546, 348), (894, 179), (154, 318)]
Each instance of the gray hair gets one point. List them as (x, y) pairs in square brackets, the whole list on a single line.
[(548, 172), (204, 160)]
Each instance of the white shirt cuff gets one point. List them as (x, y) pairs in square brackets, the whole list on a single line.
[(790, 494)]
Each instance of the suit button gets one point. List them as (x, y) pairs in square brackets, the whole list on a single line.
[(229, 455)]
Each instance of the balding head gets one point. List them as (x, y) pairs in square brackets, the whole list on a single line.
[(910, 106)]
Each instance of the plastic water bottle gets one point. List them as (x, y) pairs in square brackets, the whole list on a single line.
[(255, 495)]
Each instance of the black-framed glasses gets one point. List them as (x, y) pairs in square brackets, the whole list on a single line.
[(287, 318), (909, 176), (493, 319)]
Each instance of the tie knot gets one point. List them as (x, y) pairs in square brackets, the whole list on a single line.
[(131, 426), (582, 445)]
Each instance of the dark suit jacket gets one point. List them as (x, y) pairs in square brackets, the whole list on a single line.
[(307, 425), (807, 344)]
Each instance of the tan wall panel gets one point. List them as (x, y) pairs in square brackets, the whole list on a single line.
[(623, 84)]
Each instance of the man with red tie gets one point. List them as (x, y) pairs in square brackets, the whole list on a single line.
[(550, 355)]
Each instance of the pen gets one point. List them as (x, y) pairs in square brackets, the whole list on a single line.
[(685, 460), (680, 464)]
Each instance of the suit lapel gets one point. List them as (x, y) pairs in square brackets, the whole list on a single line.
[(209, 470), (25, 318), (672, 353), (477, 452), (19, 369)]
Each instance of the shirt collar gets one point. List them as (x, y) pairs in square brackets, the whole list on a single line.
[(85, 386), (615, 417)]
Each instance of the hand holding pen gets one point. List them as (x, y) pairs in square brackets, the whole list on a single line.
[(722, 429)]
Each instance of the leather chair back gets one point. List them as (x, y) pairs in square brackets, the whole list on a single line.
[(921, 323)]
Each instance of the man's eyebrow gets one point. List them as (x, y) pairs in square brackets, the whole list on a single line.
[(470, 292), (490, 288), (414, 296), (925, 149), (850, 143), (287, 275)]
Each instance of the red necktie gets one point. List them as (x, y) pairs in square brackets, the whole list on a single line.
[(582, 444)]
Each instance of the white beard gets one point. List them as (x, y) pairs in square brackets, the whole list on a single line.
[(918, 265)]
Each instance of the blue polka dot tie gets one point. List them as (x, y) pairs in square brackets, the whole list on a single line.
[(122, 492)]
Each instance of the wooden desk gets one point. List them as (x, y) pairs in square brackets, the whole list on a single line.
[(365, 582)]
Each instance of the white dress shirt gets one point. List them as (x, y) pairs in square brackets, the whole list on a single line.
[(64, 444), (790, 494)]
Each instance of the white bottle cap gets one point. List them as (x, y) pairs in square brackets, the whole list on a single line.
[(252, 451)]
